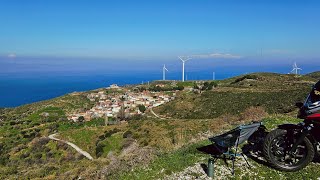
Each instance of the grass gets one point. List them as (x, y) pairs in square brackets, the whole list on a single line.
[(87, 138), (111, 144), (315, 75), (166, 164), (167, 135), (176, 161)]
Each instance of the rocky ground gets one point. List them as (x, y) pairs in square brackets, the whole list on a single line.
[(221, 170)]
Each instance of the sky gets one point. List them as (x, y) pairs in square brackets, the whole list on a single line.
[(158, 30), (52, 47)]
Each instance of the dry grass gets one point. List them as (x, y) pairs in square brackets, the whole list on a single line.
[(253, 113), (131, 156)]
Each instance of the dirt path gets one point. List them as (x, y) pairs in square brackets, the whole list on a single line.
[(151, 110), (86, 154)]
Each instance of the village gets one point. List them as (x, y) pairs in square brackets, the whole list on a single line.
[(121, 102)]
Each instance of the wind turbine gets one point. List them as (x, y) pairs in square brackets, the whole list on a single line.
[(183, 59), (164, 69), (295, 69)]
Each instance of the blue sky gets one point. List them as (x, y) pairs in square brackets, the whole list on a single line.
[(160, 29)]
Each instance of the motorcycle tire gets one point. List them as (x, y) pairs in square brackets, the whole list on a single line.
[(275, 142)]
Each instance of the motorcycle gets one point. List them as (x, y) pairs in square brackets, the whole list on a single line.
[(292, 147)]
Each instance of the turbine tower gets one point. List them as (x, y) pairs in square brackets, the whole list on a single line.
[(295, 69), (183, 59), (164, 69)]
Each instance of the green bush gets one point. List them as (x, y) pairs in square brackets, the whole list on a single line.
[(99, 149), (249, 76), (95, 122), (142, 108)]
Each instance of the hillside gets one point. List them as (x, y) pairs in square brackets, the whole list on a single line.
[(275, 93), (166, 146), (315, 75)]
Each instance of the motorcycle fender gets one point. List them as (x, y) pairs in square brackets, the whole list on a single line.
[(290, 126)]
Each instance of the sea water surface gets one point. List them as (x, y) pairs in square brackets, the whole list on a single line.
[(27, 80)]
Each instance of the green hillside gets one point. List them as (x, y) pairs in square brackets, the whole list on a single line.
[(315, 75), (150, 147), (275, 93)]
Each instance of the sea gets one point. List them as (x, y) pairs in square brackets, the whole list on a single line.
[(28, 80)]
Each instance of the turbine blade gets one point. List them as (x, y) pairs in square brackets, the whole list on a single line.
[(184, 59)]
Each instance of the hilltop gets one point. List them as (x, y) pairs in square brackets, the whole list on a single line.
[(315, 75), (167, 145), (276, 93)]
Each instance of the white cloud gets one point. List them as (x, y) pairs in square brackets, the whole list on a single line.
[(12, 55), (217, 56)]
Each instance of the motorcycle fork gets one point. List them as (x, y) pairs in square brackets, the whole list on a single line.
[(305, 131)]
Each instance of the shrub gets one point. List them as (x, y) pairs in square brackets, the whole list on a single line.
[(99, 149), (24, 155), (127, 134), (209, 86), (109, 133), (214, 83), (61, 145), (4, 159), (19, 148), (37, 156), (10, 170), (81, 119), (53, 127), (49, 154), (254, 113), (136, 117), (249, 76), (68, 157), (39, 142), (96, 122), (228, 118), (126, 143), (142, 108)]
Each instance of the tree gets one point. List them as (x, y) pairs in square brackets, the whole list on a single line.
[(155, 88), (142, 108), (122, 98), (195, 86), (205, 86), (209, 86), (179, 87), (214, 84), (141, 89), (121, 114)]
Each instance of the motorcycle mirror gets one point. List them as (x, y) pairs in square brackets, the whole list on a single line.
[(299, 104)]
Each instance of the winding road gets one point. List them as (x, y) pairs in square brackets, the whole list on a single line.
[(151, 110), (86, 154)]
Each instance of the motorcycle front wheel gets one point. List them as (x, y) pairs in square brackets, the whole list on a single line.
[(277, 147)]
